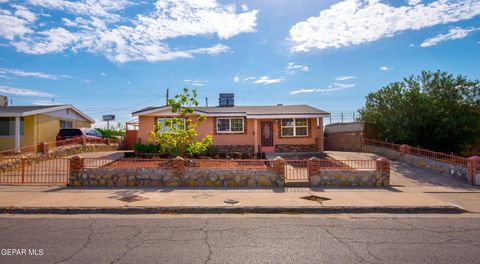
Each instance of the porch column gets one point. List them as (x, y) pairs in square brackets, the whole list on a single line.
[(17, 134), (255, 136)]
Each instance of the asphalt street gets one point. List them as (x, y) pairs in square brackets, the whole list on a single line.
[(238, 239)]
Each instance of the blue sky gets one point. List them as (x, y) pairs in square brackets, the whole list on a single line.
[(113, 57)]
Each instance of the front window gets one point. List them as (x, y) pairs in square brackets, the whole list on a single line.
[(7, 126), (163, 126), (65, 124), (294, 127), (230, 125)]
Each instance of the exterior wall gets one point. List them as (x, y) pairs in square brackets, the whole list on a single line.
[(28, 138), (344, 136), (43, 128), (453, 170), (48, 127), (233, 141), (145, 126), (344, 141)]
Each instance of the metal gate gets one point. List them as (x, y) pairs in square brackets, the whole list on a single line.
[(34, 170), (296, 171)]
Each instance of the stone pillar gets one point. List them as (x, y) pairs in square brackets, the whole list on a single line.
[(313, 165), (178, 165), (405, 149), (42, 148), (76, 166), (383, 167), (473, 167), (279, 165)]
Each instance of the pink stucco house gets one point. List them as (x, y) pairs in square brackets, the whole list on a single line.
[(249, 129)]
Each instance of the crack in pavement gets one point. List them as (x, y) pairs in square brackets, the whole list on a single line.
[(210, 252), (85, 245), (129, 248), (362, 260)]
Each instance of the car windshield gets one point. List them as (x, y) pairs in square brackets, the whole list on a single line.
[(93, 132)]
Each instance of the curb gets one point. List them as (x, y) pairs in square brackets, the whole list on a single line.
[(235, 210)]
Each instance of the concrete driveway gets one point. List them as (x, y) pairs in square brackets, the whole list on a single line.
[(407, 178)]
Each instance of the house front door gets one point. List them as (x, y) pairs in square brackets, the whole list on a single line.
[(267, 134)]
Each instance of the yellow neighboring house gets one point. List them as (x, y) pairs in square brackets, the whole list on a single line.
[(22, 126)]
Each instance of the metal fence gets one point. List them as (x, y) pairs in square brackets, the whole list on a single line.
[(296, 171), (34, 170), (449, 158)]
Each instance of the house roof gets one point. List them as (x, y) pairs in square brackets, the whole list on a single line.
[(11, 111), (274, 110)]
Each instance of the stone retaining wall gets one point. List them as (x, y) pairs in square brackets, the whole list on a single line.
[(164, 177), (69, 150), (352, 178), (454, 170), (296, 148)]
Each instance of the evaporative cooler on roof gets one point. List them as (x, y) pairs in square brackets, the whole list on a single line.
[(226, 100)]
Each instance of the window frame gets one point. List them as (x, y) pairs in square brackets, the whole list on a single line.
[(294, 126), (66, 121), (11, 120), (230, 125), (163, 130)]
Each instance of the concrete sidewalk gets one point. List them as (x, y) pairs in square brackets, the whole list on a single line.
[(18, 199)]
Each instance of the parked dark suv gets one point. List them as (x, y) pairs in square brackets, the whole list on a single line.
[(69, 133)]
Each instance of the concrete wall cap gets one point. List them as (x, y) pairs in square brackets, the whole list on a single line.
[(313, 158), (279, 158), (178, 158), (382, 159), (77, 157), (474, 158)]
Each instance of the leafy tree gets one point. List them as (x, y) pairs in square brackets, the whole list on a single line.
[(177, 136), (434, 110), (113, 132)]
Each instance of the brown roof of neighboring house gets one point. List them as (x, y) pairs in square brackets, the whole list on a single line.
[(248, 110)]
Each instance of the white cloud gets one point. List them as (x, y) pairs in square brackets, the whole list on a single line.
[(12, 26), (22, 73), (244, 7), (102, 27), (344, 78), (414, 2), (23, 92), (53, 40), (353, 22), (97, 8), (453, 33), (265, 80), (236, 78), (292, 68), (195, 82), (332, 88), (385, 68), (44, 102), (103, 74), (214, 50)]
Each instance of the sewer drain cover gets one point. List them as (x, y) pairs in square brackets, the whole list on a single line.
[(315, 198), (231, 201)]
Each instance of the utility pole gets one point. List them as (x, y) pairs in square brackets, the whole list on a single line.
[(166, 97), (206, 101)]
